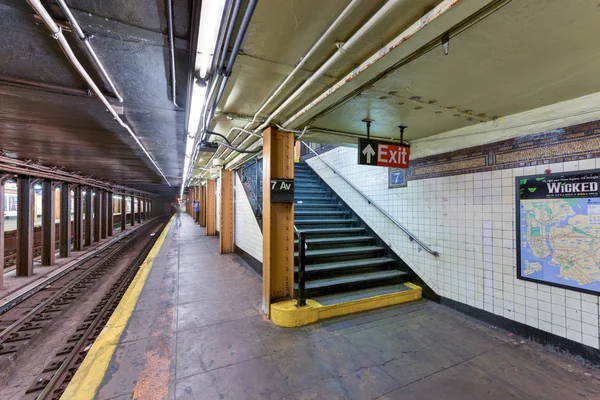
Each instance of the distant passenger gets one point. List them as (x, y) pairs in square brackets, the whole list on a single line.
[(197, 211), (177, 213)]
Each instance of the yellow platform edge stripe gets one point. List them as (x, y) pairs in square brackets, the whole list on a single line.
[(286, 313), (88, 377)]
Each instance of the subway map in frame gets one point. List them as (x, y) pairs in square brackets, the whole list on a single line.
[(558, 229)]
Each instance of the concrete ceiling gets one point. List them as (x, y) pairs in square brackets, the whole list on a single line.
[(74, 131), (518, 56)]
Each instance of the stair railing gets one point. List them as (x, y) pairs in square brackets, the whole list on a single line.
[(370, 201), (301, 302)]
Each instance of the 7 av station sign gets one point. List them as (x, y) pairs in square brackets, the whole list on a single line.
[(383, 154)]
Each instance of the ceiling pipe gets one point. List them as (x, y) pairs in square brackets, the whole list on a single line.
[(405, 35), (64, 45), (50, 87), (322, 39), (88, 47), (342, 49), (171, 51)]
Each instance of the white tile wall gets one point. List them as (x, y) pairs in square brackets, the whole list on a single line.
[(248, 235), (470, 220)]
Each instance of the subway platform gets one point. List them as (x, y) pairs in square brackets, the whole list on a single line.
[(190, 327)]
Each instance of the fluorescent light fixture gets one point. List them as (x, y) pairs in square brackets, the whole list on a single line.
[(210, 21), (196, 106), (37, 187)]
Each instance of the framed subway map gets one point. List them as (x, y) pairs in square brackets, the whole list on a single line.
[(558, 230)]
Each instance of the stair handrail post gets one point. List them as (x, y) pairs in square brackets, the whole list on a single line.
[(370, 201), (301, 269)]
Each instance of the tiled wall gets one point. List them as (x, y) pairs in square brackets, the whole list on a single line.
[(470, 219), (248, 235)]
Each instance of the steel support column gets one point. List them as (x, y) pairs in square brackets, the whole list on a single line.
[(48, 223), (123, 212), (132, 210), (24, 227), (139, 210), (89, 218), (78, 218), (110, 211), (226, 237), (278, 219), (97, 215), (211, 208), (104, 220), (3, 179), (65, 220), (202, 205)]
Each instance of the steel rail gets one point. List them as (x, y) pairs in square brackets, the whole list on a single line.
[(371, 202)]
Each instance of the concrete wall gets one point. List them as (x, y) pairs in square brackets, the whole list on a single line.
[(248, 235), (470, 219)]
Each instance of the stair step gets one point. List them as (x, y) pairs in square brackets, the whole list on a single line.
[(312, 199), (353, 279), (301, 193), (336, 240), (331, 230), (304, 206), (360, 294), (325, 221), (343, 251), (341, 265), (319, 213)]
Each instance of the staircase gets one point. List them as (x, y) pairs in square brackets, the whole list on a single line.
[(343, 261)]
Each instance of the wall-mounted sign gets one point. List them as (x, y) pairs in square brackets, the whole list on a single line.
[(397, 178), (558, 230), (282, 190), (382, 154)]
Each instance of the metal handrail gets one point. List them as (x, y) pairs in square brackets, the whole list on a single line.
[(301, 301), (370, 201)]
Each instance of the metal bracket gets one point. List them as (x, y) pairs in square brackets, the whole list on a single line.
[(368, 121)]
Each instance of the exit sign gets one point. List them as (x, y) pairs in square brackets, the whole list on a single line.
[(383, 154)]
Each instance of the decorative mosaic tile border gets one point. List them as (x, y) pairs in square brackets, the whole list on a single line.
[(559, 145)]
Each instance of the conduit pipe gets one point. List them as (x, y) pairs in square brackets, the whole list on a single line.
[(405, 35), (64, 45), (88, 47), (359, 34), (324, 37), (171, 50)]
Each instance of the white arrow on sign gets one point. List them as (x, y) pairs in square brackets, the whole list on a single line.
[(369, 152)]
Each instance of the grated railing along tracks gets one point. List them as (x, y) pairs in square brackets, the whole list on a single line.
[(24, 320), (58, 373)]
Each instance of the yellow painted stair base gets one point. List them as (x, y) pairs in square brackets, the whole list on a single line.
[(286, 313)]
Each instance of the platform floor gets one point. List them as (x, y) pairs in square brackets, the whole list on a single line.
[(197, 333)]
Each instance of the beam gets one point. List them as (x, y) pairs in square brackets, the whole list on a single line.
[(78, 218), (65, 220), (226, 236), (211, 208), (2, 206), (48, 223), (24, 227), (110, 230), (89, 219), (278, 220), (104, 220), (97, 215), (123, 212)]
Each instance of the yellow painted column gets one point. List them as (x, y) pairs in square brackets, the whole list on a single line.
[(278, 220), (211, 208), (297, 151), (226, 237)]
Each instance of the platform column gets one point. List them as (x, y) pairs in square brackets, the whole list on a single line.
[(3, 180), (65, 220), (48, 223), (132, 205), (139, 210), (226, 236), (211, 208), (110, 210), (97, 215), (278, 219), (202, 205), (123, 212), (24, 227), (89, 218), (78, 218), (143, 209)]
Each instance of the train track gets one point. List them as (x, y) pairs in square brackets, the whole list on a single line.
[(27, 319)]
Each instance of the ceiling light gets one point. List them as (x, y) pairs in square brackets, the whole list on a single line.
[(37, 187), (211, 15), (196, 106)]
